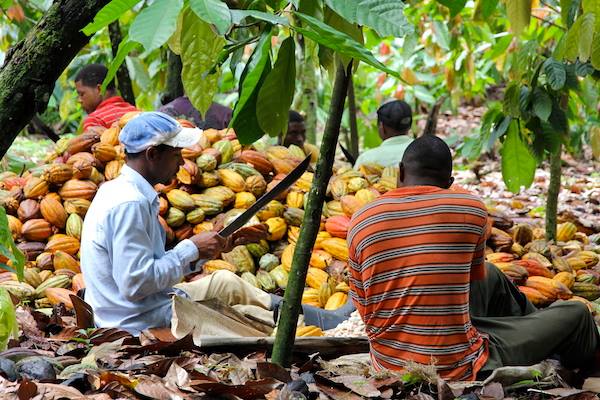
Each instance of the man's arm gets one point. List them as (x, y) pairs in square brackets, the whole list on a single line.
[(135, 270), (478, 262)]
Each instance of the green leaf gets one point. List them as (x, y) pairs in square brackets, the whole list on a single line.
[(244, 120), (519, 13), (441, 34), (556, 74), (108, 14), (155, 24), (314, 8), (238, 15), (510, 103), (200, 46), (595, 141), (214, 12), (423, 94), (383, 16), (8, 248), (565, 8), (455, 6), (337, 22), (484, 9), (338, 41), (572, 41), (499, 130), (9, 327), (595, 58), (542, 104), (586, 36), (276, 94), (174, 41), (518, 164), (125, 47)]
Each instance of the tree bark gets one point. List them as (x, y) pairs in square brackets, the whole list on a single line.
[(352, 119), (123, 79), (553, 191), (33, 65), (174, 85), (291, 305)]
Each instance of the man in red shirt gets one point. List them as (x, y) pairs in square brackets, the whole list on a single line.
[(103, 108), (420, 283)]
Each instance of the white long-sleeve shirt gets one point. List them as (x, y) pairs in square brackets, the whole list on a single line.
[(127, 272)]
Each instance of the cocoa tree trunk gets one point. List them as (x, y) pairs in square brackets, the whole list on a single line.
[(34, 64), (553, 191), (174, 85), (124, 84), (353, 145), (291, 305)]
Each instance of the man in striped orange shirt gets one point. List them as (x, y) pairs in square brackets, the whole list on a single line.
[(420, 283), (103, 108)]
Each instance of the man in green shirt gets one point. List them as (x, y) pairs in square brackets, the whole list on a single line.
[(394, 120)]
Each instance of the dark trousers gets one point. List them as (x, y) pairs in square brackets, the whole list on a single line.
[(520, 335)]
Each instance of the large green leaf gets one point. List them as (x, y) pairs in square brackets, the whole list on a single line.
[(108, 14), (519, 13), (8, 248), (556, 74), (510, 103), (238, 15), (174, 41), (214, 12), (595, 58), (586, 35), (441, 34), (340, 24), (386, 17), (338, 41), (276, 94), (518, 164), (155, 24), (542, 104), (455, 6), (125, 47), (314, 8), (200, 45), (244, 120), (571, 44)]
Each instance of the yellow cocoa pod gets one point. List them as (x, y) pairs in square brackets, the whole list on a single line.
[(337, 247), (567, 278), (232, 180), (565, 232), (311, 297), (181, 200), (309, 330), (244, 200), (295, 199), (316, 277), (277, 228), (215, 265), (336, 300)]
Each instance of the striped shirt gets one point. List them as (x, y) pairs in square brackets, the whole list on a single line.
[(108, 112), (413, 252)]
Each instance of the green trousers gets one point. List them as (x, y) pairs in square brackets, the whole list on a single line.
[(521, 335)]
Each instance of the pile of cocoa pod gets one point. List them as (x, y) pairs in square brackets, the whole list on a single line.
[(546, 271), (220, 178)]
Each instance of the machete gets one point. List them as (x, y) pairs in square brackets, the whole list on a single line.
[(265, 198)]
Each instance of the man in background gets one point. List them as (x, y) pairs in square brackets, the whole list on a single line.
[(217, 116), (103, 109), (394, 120)]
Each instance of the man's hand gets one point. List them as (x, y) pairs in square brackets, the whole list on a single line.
[(210, 245)]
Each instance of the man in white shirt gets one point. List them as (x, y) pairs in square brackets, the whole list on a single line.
[(394, 120), (129, 276)]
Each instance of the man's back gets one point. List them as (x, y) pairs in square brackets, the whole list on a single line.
[(412, 254), (108, 112), (119, 227)]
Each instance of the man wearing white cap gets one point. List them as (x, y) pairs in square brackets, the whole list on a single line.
[(129, 276)]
